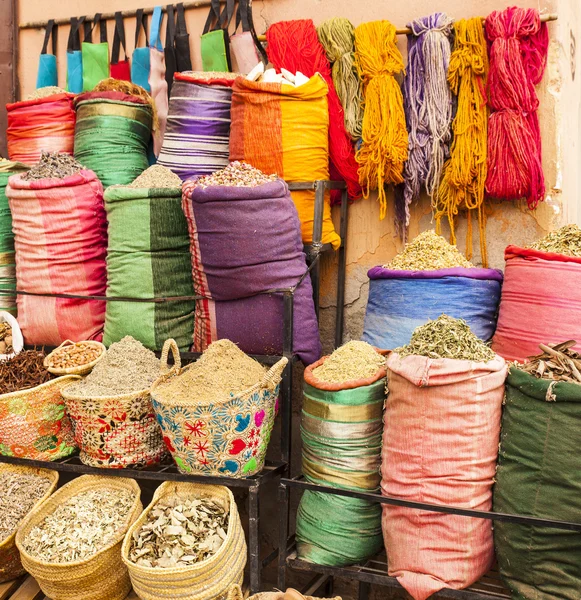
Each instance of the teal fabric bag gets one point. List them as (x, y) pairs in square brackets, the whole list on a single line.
[(140, 62), (75, 57), (95, 56), (215, 43), (47, 68)]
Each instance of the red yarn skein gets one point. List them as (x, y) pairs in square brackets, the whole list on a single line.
[(518, 46)]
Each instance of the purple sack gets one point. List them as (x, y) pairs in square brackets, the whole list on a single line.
[(245, 241)]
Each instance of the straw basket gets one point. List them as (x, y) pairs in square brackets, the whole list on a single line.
[(80, 369), (103, 576), (288, 595), (116, 431), (227, 437), (33, 422), (210, 579), (10, 565)]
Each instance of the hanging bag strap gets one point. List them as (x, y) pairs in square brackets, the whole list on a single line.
[(213, 20), (170, 29), (118, 39), (51, 29), (140, 22), (154, 32), (245, 10), (182, 41), (227, 14), (182, 28), (87, 30), (74, 41), (102, 27)]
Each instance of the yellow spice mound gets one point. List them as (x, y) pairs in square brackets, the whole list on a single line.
[(354, 360)]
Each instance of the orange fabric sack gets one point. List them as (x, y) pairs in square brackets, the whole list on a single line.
[(282, 129), (440, 445)]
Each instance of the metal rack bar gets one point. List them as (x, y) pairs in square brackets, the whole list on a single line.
[(341, 271)]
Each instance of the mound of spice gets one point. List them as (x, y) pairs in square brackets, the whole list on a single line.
[(557, 363), (353, 360), (209, 75), (157, 176), (6, 338), (428, 252), (179, 533), (80, 527), (566, 241), (128, 366), (222, 371), (19, 492), (236, 174), (53, 165), (44, 92), (23, 371), (73, 355), (446, 337)]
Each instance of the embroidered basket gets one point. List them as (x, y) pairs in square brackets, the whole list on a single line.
[(10, 564), (216, 578), (34, 424), (116, 432), (228, 437)]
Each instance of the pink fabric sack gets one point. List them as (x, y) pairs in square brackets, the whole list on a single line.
[(60, 238), (440, 445), (157, 81)]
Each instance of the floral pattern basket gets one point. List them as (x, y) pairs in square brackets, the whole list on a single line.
[(228, 437), (34, 424)]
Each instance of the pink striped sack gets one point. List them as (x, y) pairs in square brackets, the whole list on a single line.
[(157, 81), (440, 445), (60, 238)]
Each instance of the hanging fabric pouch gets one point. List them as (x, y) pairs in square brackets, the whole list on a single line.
[(119, 68), (157, 81), (215, 47), (47, 70), (169, 50), (246, 49), (95, 56), (140, 63), (74, 57), (182, 42)]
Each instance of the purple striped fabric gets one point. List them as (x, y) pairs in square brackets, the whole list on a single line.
[(197, 135)]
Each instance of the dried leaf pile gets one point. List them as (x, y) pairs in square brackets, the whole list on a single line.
[(557, 363), (222, 371), (73, 355), (428, 252), (179, 533), (6, 339), (19, 492), (80, 527), (236, 174), (128, 366), (53, 165), (446, 337), (566, 240), (353, 360), (157, 176), (23, 371)]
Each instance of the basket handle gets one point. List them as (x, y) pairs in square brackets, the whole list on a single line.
[(292, 594), (45, 362), (170, 345), (272, 378), (235, 593)]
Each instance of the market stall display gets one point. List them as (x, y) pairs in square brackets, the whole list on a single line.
[(207, 549), (71, 544), (341, 432), (148, 258), (255, 213)]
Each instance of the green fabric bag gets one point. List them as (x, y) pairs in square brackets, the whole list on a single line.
[(95, 56), (215, 43), (148, 256), (539, 475)]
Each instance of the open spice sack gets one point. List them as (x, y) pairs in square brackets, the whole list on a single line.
[(440, 445)]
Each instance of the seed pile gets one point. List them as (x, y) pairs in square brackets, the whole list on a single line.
[(80, 527), (23, 371), (157, 177), (236, 174), (566, 240), (428, 252), (44, 92), (179, 533), (557, 362), (128, 366), (53, 165), (222, 371), (353, 360), (209, 75), (6, 339), (73, 355), (447, 337), (19, 492)]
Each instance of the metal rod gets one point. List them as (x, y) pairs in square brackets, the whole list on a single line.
[(286, 386), (316, 241), (341, 268), (283, 537), (254, 539)]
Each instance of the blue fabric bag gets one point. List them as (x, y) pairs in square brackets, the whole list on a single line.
[(75, 57), (140, 62), (400, 301), (47, 67)]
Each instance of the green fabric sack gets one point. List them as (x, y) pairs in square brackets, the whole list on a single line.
[(148, 256), (215, 41), (95, 57), (539, 475)]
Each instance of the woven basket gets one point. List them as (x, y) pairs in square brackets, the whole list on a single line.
[(116, 432), (228, 437), (211, 579), (34, 424), (103, 576), (81, 369), (10, 565), (294, 595)]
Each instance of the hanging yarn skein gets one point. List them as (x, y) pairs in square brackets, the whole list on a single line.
[(428, 110), (294, 45), (384, 150), (464, 174), (337, 35), (518, 46)]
